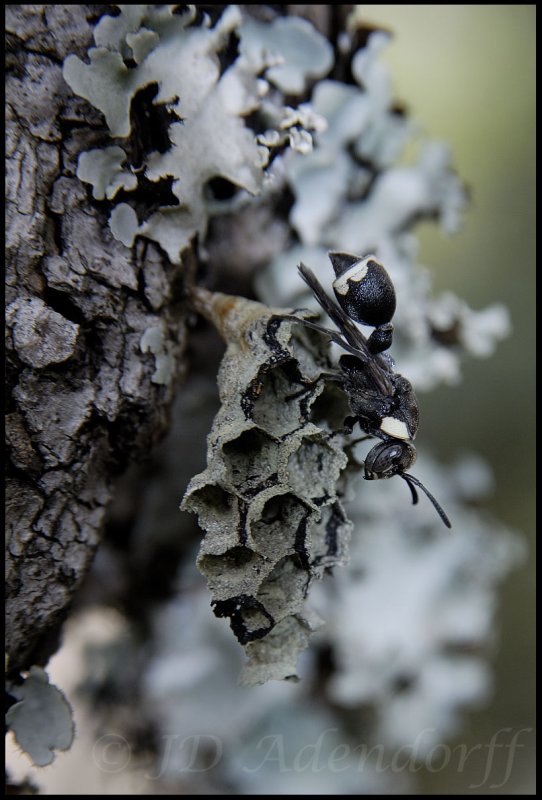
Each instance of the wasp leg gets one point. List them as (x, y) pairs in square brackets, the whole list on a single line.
[(348, 427), (361, 439)]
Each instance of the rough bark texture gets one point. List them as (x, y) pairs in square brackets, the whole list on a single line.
[(81, 401)]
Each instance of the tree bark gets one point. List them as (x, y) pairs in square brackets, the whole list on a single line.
[(82, 401)]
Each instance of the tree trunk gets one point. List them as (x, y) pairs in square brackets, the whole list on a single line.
[(84, 397)]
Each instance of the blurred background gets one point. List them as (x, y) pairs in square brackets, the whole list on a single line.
[(466, 75)]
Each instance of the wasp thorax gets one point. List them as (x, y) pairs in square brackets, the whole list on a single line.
[(363, 288)]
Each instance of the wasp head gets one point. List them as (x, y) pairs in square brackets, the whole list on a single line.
[(389, 458), (394, 457)]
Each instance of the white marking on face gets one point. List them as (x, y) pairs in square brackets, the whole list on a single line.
[(357, 272), (395, 427)]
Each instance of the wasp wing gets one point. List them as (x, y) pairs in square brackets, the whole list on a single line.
[(357, 343), (333, 335), (352, 335)]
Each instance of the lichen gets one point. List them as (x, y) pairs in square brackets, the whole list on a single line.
[(356, 192), (153, 341), (205, 110), (41, 719), (419, 660), (103, 170), (408, 626), (299, 51)]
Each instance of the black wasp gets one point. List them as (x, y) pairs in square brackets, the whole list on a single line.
[(382, 401)]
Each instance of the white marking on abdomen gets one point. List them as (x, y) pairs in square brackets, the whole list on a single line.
[(357, 272), (394, 427)]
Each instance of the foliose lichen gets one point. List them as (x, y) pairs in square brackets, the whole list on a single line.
[(356, 191), (41, 719), (173, 59)]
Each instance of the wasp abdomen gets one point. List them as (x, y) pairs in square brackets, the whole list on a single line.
[(363, 289)]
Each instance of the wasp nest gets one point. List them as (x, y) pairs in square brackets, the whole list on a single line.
[(269, 500)]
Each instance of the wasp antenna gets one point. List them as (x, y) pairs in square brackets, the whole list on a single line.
[(440, 511), (411, 486)]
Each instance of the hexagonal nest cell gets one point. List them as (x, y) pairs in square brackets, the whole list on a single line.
[(268, 499)]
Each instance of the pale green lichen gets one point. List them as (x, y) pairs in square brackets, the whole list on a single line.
[(207, 129), (153, 341), (124, 224), (103, 170), (299, 52), (41, 720), (355, 191)]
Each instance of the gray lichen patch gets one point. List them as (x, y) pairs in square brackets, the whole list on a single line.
[(204, 95), (267, 500), (103, 170), (298, 51), (41, 719), (153, 340)]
